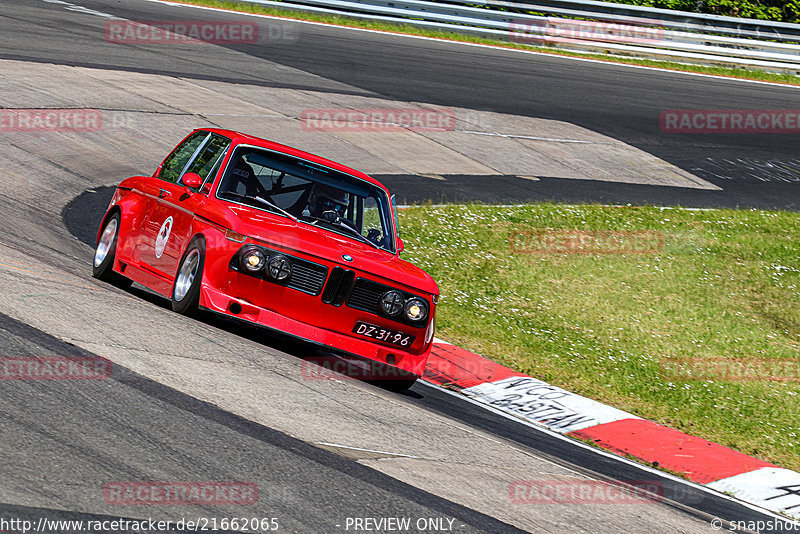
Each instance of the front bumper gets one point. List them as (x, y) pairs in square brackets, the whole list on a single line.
[(221, 302)]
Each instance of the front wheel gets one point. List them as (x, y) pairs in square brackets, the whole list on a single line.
[(186, 291), (398, 386), (105, 252)]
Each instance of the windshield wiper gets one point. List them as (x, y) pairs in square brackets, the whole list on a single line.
[(263, 201), (357, 233), (343, 225), (275, 206)]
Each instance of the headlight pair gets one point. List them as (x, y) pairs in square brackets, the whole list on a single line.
[(393, 303), (254, 261)]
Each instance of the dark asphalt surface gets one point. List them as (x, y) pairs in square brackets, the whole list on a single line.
[(516, 190), (760, 170), (129, 428)]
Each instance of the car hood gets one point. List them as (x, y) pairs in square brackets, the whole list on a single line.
[(286, 235)]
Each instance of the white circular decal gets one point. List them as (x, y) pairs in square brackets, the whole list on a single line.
[(163, 236)]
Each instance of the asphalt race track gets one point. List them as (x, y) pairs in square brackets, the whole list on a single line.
[(145, 421), (624, 103), (212, 400)]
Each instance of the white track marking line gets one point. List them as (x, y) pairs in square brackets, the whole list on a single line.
[(480, 45), (336, 445), (80, 9)]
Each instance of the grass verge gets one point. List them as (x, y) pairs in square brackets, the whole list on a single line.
[(716, 286), (408, 29)]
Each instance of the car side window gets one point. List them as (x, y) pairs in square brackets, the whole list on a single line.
[(210, 155), (173, 166)]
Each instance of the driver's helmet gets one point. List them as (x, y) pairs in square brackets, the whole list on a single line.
[(326, 198)]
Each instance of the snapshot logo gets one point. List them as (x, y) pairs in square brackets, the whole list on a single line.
[(50, 120), (186, 32), (546, 241), (337, 368), (730, 121), (584, 492), (731, 369), (54, 368), (180, 493), (378, 119), (556, 30)]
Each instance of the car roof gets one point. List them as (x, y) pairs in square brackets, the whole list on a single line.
[(239, 137)]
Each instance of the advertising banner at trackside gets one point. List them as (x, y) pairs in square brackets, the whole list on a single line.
[(538, 401)]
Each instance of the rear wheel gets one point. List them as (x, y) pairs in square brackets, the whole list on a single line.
[(105, 252), (186, 290)]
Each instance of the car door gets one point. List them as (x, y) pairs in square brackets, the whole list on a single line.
[(138, 244), (171, 221)]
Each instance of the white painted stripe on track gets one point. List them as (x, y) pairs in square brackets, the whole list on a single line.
[(774, 488), (548, 405), (534, 138), (359, 449), (481, 45)]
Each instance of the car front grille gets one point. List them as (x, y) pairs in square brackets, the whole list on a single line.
[(338, 285), (366, 294), (307, 276)]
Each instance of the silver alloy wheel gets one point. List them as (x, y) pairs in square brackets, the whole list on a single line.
[(186, 274), (106, 240)]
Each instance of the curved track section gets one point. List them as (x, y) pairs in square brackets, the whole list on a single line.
[(84, 435), (620, 102)]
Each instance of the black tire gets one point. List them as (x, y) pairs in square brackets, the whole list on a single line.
[(397, 386), (186, 289), (391, 378), (105, 252)]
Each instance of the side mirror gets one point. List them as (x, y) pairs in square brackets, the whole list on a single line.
[(400, 245), (192, 180)]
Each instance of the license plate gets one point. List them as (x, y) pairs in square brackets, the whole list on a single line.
[(383, 334)]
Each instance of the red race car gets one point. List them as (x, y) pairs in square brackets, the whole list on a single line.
[(275, 236)]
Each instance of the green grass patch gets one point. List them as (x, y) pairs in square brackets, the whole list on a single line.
[(721, 284), (408, 29)]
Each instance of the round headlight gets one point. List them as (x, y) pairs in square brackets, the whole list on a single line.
[(416, 309), (253, 260), (280, 268), (392, 303)]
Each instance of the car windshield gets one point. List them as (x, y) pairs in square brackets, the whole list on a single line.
[(311, 193)]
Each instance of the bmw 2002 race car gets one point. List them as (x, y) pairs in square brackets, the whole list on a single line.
[(275, 236)]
